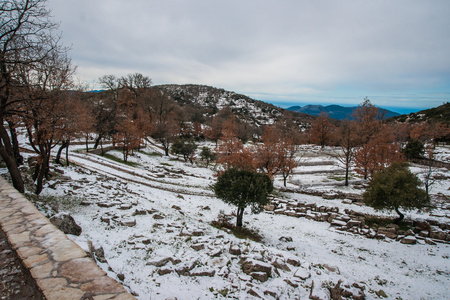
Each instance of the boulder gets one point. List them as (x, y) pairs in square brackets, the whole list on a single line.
[(66, 224)]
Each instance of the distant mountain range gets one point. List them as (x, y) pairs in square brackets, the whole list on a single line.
[(336, 111)]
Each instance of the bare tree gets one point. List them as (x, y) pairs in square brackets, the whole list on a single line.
[(27, 40)]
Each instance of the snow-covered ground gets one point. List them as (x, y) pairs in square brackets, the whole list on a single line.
[(153, 222)]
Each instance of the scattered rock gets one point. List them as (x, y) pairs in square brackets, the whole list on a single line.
[(234, 250), (198, 247), (302, 273), (129, 222), (121, 277), (250, 266), (157, 217), (294, 285), (158, 261), (280, 265), (293, 262), (125, 206), (164, 271), (285, 239)]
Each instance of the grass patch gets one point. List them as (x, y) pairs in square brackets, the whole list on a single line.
[(151, 154), (166, 164), (119, 160), (239, 232)]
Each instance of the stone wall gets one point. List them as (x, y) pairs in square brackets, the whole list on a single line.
[(61, 269), (430, 230)]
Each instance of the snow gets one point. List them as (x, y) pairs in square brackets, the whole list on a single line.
[(172, 206)]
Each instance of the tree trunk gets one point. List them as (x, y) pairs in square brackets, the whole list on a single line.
[(65, 144), (67, 154), (97, 141), (400, 216), (15, 143), (7, 154), (239, 215)]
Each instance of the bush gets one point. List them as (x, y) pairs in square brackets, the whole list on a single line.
[(414, 149)]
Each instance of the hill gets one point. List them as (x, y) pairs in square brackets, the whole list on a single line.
[(209, 100), (439, 114), (335, 111)]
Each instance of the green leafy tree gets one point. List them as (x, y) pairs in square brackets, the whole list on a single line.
[(243, 188), (208, 155), (396, 187), (184, 147), (414, 149)]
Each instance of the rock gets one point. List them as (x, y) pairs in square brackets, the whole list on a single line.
[(271, 293), (157, 217), (125, 206), (234, 250), (198, 247), (269, 207), (208, 273), (302, 273), (106, 219), (100, 255), (332, 268), (185, 268), (129, 222), (197, 233), (430, 242), (285, 239), (251, 265), (164, 271), (338, 223), (121, 277), (329, 196), (66, 224), (280, 265), (254, 293), (409, 240), (158, 261), (215, 253), (354, 223), (437, 233), (138, 212), (261, 276), (180, 196), (293, 262), (294, 285), (176, 207)]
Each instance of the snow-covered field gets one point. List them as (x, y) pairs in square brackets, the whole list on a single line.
[(153, 223)]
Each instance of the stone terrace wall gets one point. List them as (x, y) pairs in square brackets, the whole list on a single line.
[(62, 270)]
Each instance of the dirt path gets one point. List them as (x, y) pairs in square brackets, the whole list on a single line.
[(16, 282)]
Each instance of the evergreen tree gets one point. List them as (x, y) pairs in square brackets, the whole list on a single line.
[(396, 187), (243, 188)]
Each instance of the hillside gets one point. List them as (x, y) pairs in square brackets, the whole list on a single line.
[(210, 100), (436, 114), (335, 111)]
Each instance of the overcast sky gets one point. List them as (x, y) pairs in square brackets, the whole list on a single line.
[(397, 53)]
